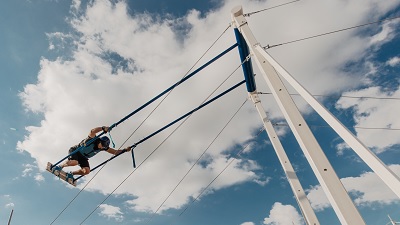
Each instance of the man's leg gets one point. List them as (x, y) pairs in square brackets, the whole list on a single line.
[(72, 159), (70, 162), (83, 171), (85, 167)]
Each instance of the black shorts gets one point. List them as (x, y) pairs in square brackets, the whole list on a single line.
[(82, 160)]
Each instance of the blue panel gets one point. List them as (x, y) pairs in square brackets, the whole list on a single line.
[(246, 66)]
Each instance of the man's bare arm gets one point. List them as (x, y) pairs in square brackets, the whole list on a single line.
[(116, 152), (96, 130)]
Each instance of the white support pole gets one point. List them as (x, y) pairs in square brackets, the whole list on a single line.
[(384, 172), (336, 193), (298, 191)]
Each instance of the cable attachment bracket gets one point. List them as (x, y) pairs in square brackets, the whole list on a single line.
[(133, 155)]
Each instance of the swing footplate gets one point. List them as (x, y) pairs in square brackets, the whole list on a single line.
[(57, 171)]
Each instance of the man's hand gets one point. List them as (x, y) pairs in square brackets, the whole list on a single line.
[(105, 129), (94, 131), (127, 149)]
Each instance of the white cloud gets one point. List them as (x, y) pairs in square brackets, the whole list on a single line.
[(387, 33), (283, 215), (367, 189), (58, 40), (317, 198), (28, 170), (393, 61), (263, 182), (111, 212), (120, 61), (193, 185), (76, 5), (39, 177), (374, 113), (247, 223), (8, 199), (10, 205), (341, 147)]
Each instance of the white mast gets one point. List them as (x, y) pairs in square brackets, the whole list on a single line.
[(337, 195), (298, 191)]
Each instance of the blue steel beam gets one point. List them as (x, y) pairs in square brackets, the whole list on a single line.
[(246, 66)]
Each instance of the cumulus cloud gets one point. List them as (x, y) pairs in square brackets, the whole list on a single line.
[(374, 113), (247, 223), (117, 61), (283, 215), (10, 205), (393, 61), (8, 199), (28, 170), (387, 33), (263, 182), (31, 171), (317, 198), (111, 212), (39, 177), (366, 189)]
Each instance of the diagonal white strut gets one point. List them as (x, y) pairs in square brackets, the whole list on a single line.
[(384, 172), (333, 188), (298, 191)]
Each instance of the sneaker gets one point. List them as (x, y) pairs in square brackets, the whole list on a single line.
[(56, 170), (69, 177)]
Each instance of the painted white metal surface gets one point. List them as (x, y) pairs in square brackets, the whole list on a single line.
[(384, 172), (298, 191), (392, 222), (337, 195)]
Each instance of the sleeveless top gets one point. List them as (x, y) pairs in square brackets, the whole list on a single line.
[(90, 150)]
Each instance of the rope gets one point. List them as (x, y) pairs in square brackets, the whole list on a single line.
[(191, 112), (223, 170), (201, 106), (181, 79), (201, 156), (157, 147), (188, 114), (331, 32), (173, 122), (167, 91), (366, 128), (249, 14), (346, 96), (165, 127), (238, 154), (186, 76), (343, 96), (380, 98), (153, 99)]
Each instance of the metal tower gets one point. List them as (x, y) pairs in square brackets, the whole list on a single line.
[(329, 181)]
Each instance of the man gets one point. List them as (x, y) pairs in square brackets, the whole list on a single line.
[(87, 151)]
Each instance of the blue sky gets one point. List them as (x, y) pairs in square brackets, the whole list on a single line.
[(68, 66)]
